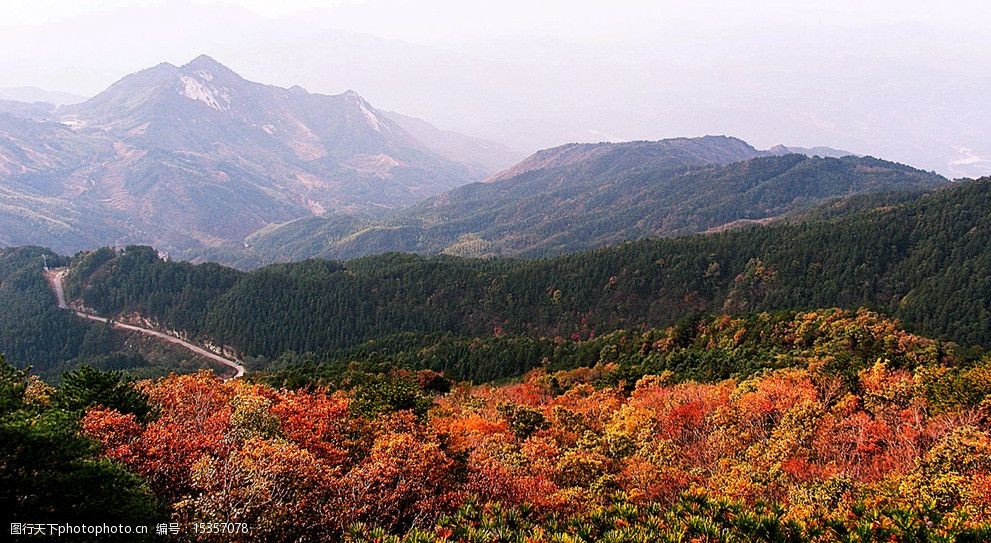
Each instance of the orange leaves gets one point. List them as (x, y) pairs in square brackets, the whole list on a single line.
[(799, 469), (200, 400), (527, 393), (760, 402), (166, 452), (318, 422), (473, 431), (886, 387), (850, 443), (406, 479), (646, 481), (810, 439), (114, 431), (273, 485), (781, 434), (980, 490), (684, 413), (540, 454), (492, 480)]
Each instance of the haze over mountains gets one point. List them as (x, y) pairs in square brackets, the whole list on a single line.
[(199, 162), (191, 156), (906, 81), (581, 196), (35, 95)]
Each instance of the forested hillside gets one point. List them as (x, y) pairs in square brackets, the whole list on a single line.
[(925, 261), (702, 349), (836, 426), (31, 326), (589, 418), (35, 332), (193, 156), (585, 196)]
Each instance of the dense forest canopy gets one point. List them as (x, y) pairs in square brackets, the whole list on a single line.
[(35, 332), (924, 260), (580, 197), (32, 328), (836, 426), (660, 390)]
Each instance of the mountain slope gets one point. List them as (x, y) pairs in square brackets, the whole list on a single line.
[(594, 161), (925, 260), (485, 157), (36, 95), (825, 152), (192, 156), (34, 157), (583, 196)]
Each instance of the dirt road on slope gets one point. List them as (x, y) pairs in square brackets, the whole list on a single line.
[(56, 279)]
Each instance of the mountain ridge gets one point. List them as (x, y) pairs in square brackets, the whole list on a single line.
[(195, 156), (913, 258), (36, 95), (580, 196), (199, 161)]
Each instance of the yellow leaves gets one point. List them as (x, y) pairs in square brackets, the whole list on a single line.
[(540, 454), (760, 402), (834, 494), (251, 417), (576, 381), (566, 421), (580, 468), (886, 387), (944, 490), (793, 436), (964, 450), (799, 436), (267, 483), (953, 389), (953, 475), (38, 393), (653, 382), (629, 430)]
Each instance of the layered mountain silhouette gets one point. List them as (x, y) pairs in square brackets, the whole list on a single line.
[(37, 95), (582, 196), (200, 162), (195, 156)]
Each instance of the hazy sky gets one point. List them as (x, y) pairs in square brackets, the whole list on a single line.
[(433, 19), (902, 80)]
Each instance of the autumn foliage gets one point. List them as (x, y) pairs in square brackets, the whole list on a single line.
[(892, 449)]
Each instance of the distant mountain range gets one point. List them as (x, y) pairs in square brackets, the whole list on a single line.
[(36, 95), (206, 165), (482, 156), (581, 196), (825, 152), (923, 258), (195, 156)]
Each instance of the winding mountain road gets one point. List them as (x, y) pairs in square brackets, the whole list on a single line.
[(56, 279)]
